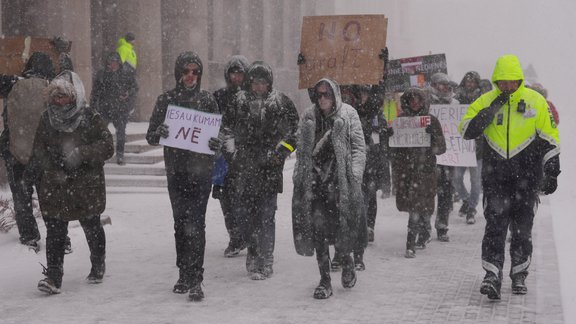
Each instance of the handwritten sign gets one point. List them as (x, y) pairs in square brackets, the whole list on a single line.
[(15, 51), (343, 48), (413, 71), (410, 132), (191, 129), (459, 152)]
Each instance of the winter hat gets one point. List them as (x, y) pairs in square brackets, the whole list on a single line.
[(129, 37), (39, 65), (66, 118), (440, 78), (260, 70), (409, 94), (237, 64), (184, 59)]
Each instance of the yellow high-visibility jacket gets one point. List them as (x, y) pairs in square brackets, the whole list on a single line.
[(126, 51)]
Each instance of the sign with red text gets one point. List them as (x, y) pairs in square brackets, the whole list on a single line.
[(191, 129), (459, 152), (410, 132), (417, 71), (343, 48)]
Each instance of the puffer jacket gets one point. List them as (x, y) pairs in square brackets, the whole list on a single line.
[(350, 153)]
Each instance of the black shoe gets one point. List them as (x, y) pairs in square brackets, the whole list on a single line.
[(463, 209), (518, 285), (370, 234), (409, 254), (33, 245), (359, 262), (267, 271), (233, 250), (68, 246), (96, 274), (491, 287), (348, 272), (443, 237), (48, 286), (120, 161), (182, 285), (323, 291), (196, 294), (470, 216), (423, 240)]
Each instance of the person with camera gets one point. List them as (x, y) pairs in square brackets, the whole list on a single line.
[(520, 159)]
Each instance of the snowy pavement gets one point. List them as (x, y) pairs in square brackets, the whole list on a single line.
[(441, 285)]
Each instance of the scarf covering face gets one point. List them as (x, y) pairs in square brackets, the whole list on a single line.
[(66, 118)]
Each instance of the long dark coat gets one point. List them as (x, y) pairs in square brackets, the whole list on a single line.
[(414, 168), (350, 151), (77, 193)]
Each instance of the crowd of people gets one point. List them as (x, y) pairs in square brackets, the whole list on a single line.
[(342, 159)]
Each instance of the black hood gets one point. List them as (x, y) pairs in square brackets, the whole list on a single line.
[(259, 70), (185, 59), (405, 104), (39, 65), (470, 75), (113, 56), (237, 63)]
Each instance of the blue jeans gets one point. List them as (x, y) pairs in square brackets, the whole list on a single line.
[(473, 196)]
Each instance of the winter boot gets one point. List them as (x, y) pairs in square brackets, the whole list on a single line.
[(324, 289), (518, 284), (53, 281), (233, 249), (267, 270), (196, 294), (464, 209), (96, 273), (183, 284), (470, 216), (348, 272), (359, 261), (491, 286), (370, 234), (68, 245), (410, 245), (443, 235), (423, 239)]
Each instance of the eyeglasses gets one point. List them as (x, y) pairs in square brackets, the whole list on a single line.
[(326, 95), (193, 71)]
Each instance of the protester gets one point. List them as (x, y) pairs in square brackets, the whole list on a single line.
[(468, 91), (71, 145), (413, 169), (263, 133), (328, 203), (442, 94), (113, 94), (522, 141), (24, 97), (223, 180), (544, 92), (188, 174)]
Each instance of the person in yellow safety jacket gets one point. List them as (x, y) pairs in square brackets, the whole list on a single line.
[(390, 109), (520, 158), (125, 48)]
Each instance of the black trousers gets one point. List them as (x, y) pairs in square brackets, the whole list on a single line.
[(508, 204), (22, 197), (230, 209), (189, 198), (445, 191), (56, 232)]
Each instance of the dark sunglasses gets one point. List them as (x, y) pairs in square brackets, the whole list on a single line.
[(194, 71), (326, 95)]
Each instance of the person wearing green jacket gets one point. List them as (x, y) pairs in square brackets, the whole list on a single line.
[(125, 48), (520, 158)]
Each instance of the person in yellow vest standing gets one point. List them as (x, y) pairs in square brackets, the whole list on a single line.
[(125, 47), (520, 159)]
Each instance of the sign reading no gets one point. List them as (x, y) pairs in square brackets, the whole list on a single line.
[(343, 48)]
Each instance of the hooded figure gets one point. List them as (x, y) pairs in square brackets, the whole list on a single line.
[(328, 203), (72, 143), (414, 171), (522, 144), (222, 180), (469, 88), (263, 130), (188, 174), (126, 51)]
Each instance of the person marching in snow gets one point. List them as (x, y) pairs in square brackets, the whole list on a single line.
[(414, 171), (521, 158), (67, 166), (113, 94), (188, 174), (328, 203), (223, 180), (263, 131)]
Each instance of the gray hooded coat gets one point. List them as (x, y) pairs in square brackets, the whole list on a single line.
[(350, 153)]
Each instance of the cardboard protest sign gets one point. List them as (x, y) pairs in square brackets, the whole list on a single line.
[(343, 48), (410, 132), (459, 152), (413, 71), (191, 129), (15, 51)]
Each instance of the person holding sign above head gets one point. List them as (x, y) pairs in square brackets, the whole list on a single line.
[(263, 133), (521, 158), (328, 202), (414, 168), (188, 173)]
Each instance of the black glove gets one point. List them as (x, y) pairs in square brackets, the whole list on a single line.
[(301, 59), (280, 154), (162, 131), (498, 102), (215, 144), (217, 191), (390, 131), (549, 185), (429, 129)]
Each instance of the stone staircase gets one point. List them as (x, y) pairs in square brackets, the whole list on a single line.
[(144, 163)]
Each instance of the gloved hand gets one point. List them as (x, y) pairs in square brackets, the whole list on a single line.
[(217, 192), (162, 131), (72, 160), (390, 131), (277, 156), (498, 102), (429, 129), (215, 144), (549, 185)]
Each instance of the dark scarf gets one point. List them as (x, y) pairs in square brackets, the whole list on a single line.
[(66, 118)]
